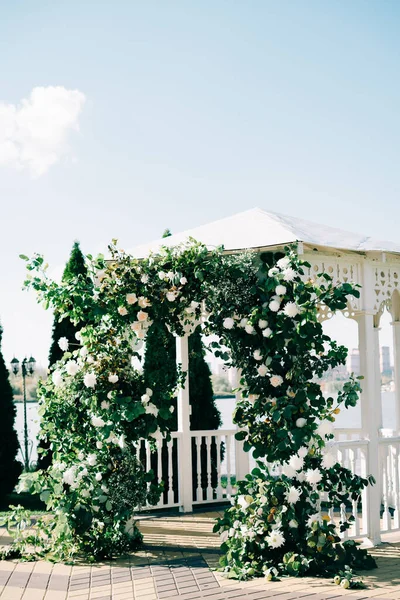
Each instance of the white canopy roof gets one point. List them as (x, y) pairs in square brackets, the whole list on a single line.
[(257, 228)]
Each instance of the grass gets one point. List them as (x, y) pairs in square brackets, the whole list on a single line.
[(29, 501)]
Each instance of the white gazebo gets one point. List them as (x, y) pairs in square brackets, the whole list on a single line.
[(373, 264)]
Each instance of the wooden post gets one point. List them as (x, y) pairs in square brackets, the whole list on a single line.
[(396, 360)]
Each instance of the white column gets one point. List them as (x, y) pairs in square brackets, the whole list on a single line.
[(371, 415), (396, 361), (242, 458), (185, 441)]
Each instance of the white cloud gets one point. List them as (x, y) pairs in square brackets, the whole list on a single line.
[(33, 135)]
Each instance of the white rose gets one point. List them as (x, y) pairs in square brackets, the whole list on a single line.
[(249, 329), (301, 422), (293, 523), (63, 343), (243, 322), (113, 378), (257, 355), (98, 476), (105, 405), (283, 263), (170, 296), (276, 380), (228, 323), (90, 380), (136, 326), (151, 409), (131, 298), (161, 275), (97, 421), (142, 316), (183, 281), (262, 323), (72, 367), (85, 493), (328, 460), (149, 392), (69, 475), (274, 306), (56, 378), (272, 272), (267, 332), (144, 302), (324, 429), (99, 445), (145, 398), (303, 451), (262, 370), (280, 290), (78, 336), (91, 459), (83, 352), (144, 278), (122, 311)]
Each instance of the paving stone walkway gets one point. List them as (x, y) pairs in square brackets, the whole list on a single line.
[(176, 563)]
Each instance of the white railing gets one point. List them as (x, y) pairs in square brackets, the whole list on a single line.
[(217, 460)]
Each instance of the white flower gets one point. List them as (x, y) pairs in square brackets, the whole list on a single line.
[(91, 459), (324, 429), (85, 493), (241, 500), (243, 322), (145, 398), (104, 488), (301, 422), (293, 523), (151, 409), (97, 421), (262, 323), (328, 460), (122, 311), (280, 290), (303, 451), (275, 539), (99, 445), (121, 441), (144, 302), (183, 280), (69, 475), (162, 275), (131, 298), (224, 536), (297, 462), (171, 409), (113, 378), (72, 367), (313, 476), (249, 328), (144, 278), (56, 378), (136, 326), (291, 309), (274, 306), (267, 332), (63, 343), (105, 405), (98, 476), (142, 316), (276, 380), (78, 336), (289, 274), (315, 518), (83, 352), (149, 392), (262, 370), (300, 476), (257, 355), (83, 473), (273, 271), (81, 456), (90, 380), (283, 263), (288, 471), (171, 296), (293, 495), (228, 323), (90, 359)]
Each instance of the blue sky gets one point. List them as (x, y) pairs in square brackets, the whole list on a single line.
[(194, 111)]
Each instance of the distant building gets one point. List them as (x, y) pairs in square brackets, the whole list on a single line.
[(386, 368), (353, 361)]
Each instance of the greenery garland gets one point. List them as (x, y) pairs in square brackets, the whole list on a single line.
[(95, 406)]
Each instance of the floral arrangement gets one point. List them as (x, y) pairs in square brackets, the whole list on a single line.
[(95, 406)]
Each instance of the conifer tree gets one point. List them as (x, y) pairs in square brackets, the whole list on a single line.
[(10, 468), (65, 328)]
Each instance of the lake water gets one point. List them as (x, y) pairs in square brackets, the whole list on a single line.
[(350, 418)]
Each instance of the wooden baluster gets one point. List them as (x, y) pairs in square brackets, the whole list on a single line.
[(159, 469), (396, 485), (218, 450), (228, 466), (354, 505), (386, 519), (364, 493)]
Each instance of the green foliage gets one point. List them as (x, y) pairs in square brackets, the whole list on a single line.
[(10, 468), (95, 406)]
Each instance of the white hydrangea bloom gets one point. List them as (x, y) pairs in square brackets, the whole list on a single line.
[(262, 323), (280, 290), (90, 380), (267, 332), (249, 329), (63, 344), (113, 378), (97, 421), (274, 306), (291, 310)]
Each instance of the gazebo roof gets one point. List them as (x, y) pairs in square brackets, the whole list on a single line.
[(257, 228)]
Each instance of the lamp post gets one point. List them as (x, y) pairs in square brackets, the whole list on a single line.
[(27, 368)]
